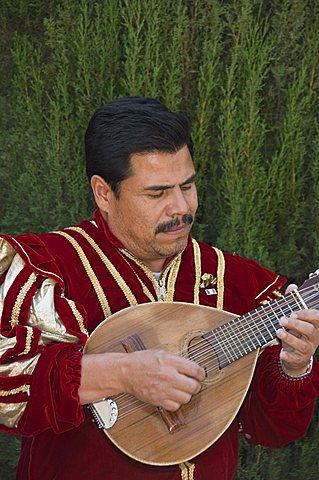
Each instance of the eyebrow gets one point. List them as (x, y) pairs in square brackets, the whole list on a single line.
[(156, 188)]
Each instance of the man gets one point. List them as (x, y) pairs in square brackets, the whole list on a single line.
[(57, 287)]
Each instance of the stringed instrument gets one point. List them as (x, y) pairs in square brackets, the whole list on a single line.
[(224, 344)]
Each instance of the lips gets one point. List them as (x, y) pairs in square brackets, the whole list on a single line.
[(180, 229)]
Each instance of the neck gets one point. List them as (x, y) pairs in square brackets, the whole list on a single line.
[(154, 265), (256, 329)]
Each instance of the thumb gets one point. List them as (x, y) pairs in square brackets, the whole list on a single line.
[(291, 287)]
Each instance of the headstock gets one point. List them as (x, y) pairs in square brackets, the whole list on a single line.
[(313, 280)]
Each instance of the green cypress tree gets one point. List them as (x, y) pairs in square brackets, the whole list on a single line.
[(245, 73), (242, 132)]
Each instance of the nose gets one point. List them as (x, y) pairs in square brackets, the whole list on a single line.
[(177, 204)]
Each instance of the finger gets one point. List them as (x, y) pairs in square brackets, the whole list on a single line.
[(184, 383), (309, 315), (175, 399), (170, 405), (286, 347), (291, 288), (190, 385), (190, 368), (180, 364), (298, 325), (293, 343)]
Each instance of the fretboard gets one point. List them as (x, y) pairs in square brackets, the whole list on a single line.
[(255, 329)]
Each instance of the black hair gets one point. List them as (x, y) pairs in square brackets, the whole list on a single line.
[(131, 125)]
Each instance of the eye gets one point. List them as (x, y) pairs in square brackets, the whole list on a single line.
[(188, 186), (156, 195)]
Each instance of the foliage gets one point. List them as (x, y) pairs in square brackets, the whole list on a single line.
[(9, 452), (245, 73)]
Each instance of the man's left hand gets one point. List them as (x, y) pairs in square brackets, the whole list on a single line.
[(300, 339)]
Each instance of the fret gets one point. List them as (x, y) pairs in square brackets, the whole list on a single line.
[(273, 315), (241, 334), (248, 319), (299, 299), (268, 335), (246, 333), (310, 298), (259, 330), (225, 334), (213, 339), (287, 306)]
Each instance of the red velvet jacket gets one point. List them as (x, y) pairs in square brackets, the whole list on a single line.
[(60, 441)]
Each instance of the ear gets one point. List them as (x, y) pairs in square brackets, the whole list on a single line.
[(102, 192)]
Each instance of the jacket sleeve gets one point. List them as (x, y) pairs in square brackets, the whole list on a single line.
[(41, 337), (277, 410)]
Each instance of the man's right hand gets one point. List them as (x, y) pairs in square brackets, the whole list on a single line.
[(161, 378), (153, 376)]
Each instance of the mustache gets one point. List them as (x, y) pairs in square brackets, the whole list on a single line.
[(186, 219)]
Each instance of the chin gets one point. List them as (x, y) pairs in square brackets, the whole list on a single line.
[(176, 249)]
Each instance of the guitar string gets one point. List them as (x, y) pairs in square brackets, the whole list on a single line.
[(214, 364), (247, 344), (130, 403), (240, 321), (237, 323)]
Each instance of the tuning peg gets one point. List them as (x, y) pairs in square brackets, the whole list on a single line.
[(314, 274)]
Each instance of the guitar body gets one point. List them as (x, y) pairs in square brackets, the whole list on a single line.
[(140, 430)]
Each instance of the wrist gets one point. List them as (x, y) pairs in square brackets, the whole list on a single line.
[(298, 376), (100, 376)]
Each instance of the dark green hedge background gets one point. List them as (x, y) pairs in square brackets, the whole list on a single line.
[(245, 72)]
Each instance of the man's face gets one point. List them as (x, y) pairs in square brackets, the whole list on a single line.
[(151, 217)]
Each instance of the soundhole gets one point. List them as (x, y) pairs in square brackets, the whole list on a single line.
[(197, 347)]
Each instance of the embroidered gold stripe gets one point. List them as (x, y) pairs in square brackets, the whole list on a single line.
[(187, 470), (14, 391), (115, 274), (220, 278), (144, 287), (28, 341), (20, 298), (172, 271), (78, 316), (146, 290), (146, 270), (197, 259), (90, 273)]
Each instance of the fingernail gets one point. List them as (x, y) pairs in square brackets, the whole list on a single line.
[(281, 333), (283, 321)]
